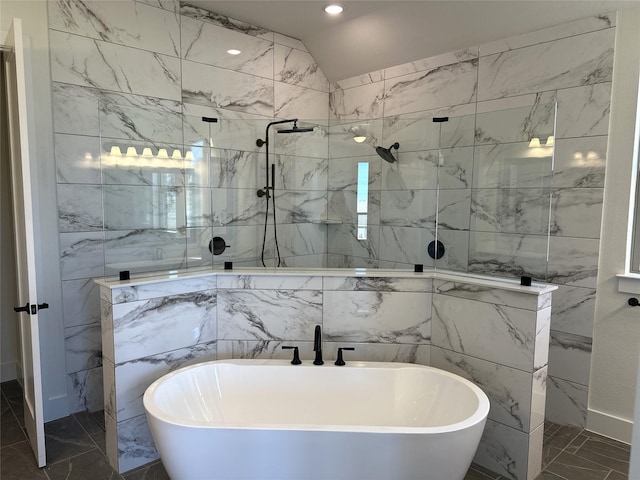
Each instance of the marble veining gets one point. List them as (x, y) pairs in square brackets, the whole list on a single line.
[(223, 21)]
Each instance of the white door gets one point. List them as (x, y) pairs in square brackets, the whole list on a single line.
[(27, 302)]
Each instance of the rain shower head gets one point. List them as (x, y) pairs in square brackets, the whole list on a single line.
[(385, 153), (296, 129)]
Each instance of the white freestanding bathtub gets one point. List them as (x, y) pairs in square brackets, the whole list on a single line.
[(268, 419)]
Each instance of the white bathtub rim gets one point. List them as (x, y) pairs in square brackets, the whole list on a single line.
[(477, 417)]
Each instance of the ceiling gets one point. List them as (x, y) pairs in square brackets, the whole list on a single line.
[(372, 35)]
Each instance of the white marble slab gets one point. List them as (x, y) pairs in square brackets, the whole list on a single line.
[(81, 255), (508, 389), (456, 255), (342, 207), (198, 13), (142, 123), (455, 167), (268, 314), (343, 173), (207, 43), (570, 357), (135, 443), (80, 208), (292, 101), (512, 165), (583, 111), (83, 347), (75, 109), (579, 60), (573, 261), (408, 208), (566, 402), (218, 87), (273, 282), (407, 245), (576, 212), (301, 173), (80, 302), (516, 124), (341, 138), (453, 209), (84, 390), (125, 23), (441, 86), (511, 210), (377, 317), (573, 310), (185, 320), (358, 80), (486, 294), (430, 63), (94, 63), (377, 284), (297, 67), (143, 207), (77, 158), (171, 5), (362, 102), (154, 290), (580, 162), (496, 333), (135, 376), (504, 450)]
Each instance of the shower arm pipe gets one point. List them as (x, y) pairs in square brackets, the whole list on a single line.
[(266, 144)]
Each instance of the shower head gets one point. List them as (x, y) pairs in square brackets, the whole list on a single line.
[(385, 153), (296, 129)]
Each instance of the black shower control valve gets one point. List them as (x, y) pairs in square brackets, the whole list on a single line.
[(633, 302), (296, 354), (340, 361)]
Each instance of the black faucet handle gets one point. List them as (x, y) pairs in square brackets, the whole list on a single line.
[(339, 361), (296, 354)]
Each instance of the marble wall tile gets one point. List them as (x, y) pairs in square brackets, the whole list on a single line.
[(573, 261), (583, 111), (430, 63), (378, 284), (223, 21), (234, 281), (455, 167), (555, 32), (487, 294), (268, 314), (205, 42), (377, 317), (238, 206), (508, 255), (579, 60), (198, 211), (362, 102), (580, 162), (147, 291), (113, 67), (341, 135), (343, 172), (437, 87), (106, 324), (84, 390), (135, 376), (538, 398), (125, 23), (83, 347), (235, 169), (144, 207), (570, 357), (306, 144), (512, 165), (406, 245), (297, 67), (359, 80), (109, 385), (511, 210), (135, 444), (301, 173), (408, 208), (272, 349), (454, 207), (504, 450), (81, 255), (576, 212), (75, 109), (456, 254), (80, 302), (566, 402), (154, 126), (244, 244), (305, 261), (289, 41), (171, 5), (349, 261), (140, 167), (79, 208), (292, 101), (77, 158), (516, 124), (343, 206), (143, 250), (185, 320), (508, 389), (218, 87), (301, 239), (573, 310), (543, 333), (413, 134), (496, 333)]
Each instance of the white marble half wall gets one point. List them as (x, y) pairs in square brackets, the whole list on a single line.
[(496, 337)]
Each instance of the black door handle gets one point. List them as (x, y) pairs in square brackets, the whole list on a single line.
[(42, 306), (24, 309)]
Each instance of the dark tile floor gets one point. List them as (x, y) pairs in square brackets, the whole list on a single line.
[(76, 450)]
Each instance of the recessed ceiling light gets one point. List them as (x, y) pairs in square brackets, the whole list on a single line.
[(233, 51), (333, 9)]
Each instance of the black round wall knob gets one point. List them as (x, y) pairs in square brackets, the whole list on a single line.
[(436, 249), (217, 245)]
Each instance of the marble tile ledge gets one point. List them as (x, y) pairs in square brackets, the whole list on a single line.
[(444, 275)]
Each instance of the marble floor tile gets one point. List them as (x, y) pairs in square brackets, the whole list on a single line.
[(92, 464), (65, 438), (154, 471), (18, 463)]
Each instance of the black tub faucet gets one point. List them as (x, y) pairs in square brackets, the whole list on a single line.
[(317, 346)]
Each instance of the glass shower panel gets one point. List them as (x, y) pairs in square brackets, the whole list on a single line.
[(508, 195)]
